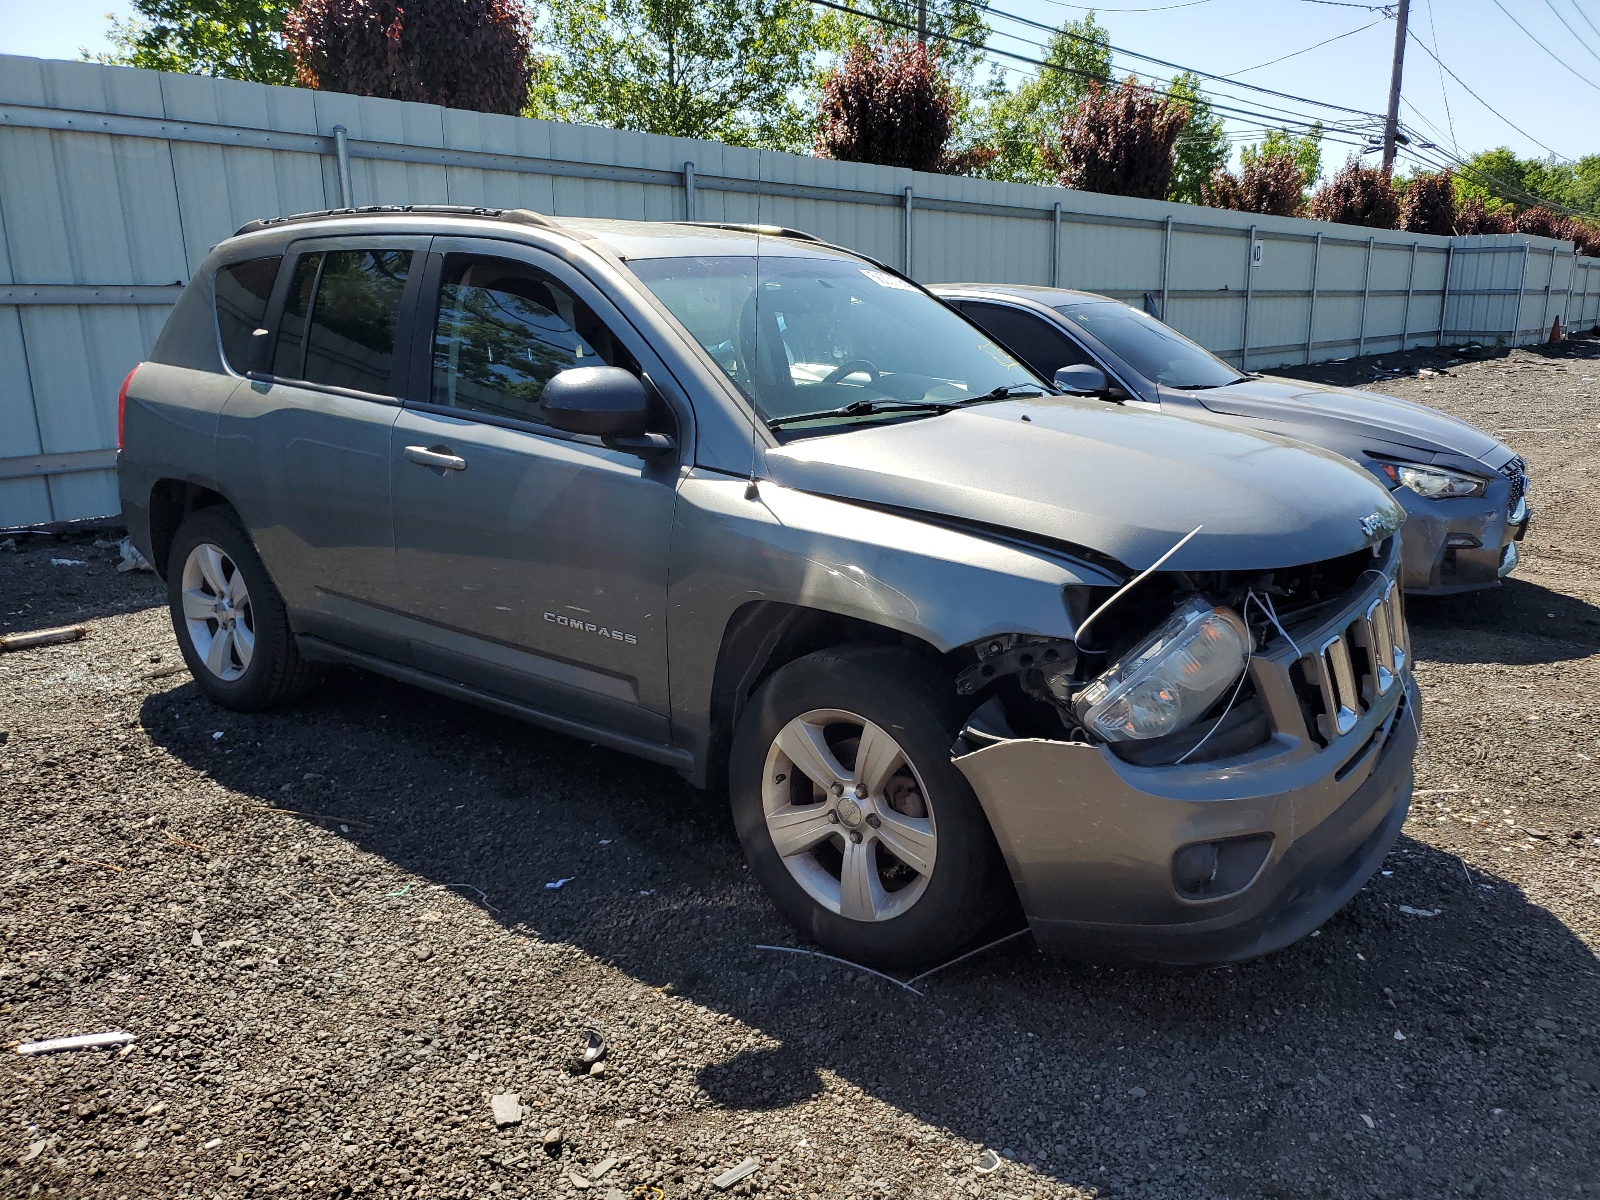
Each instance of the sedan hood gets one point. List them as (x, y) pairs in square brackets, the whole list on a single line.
[(1308, 410), (1126, 483)]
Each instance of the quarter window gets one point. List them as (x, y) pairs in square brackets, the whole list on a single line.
[(243, 290), (339, 319), (504, 330)]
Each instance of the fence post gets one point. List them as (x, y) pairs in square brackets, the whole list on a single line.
[(1522, 284), (1549, 290), (1444, 298), (1055, 244), (341, 155), (1249, 287), (908, 233), (1572, 282), (1166, 267), (1311, 309), (1411, 279), (688, 191), (1366, 294)]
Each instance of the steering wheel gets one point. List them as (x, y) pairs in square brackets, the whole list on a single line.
[(850, 368)]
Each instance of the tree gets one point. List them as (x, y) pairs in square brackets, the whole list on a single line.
[(724, 70), (1306, 150), (1118, 141), (471, 54), (1428, 204), (1202, 147), (886, 103), (228, 39), (1358, 195), (1272, 182), (1019, 123), (1475, 217)]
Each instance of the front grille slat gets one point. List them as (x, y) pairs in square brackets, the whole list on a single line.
[(1517, 472), (1351, 684)]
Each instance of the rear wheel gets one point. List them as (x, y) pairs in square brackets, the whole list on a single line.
[(852, 815), (230, 620)]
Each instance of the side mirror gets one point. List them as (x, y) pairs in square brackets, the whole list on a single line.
[(256, 360), (1082, 379), (607, 402)]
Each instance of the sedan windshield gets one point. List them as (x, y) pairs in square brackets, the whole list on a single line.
[(1158, 352), (821, 341)]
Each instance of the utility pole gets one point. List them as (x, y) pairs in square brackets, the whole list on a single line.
[(922, 22), (1391, 125)]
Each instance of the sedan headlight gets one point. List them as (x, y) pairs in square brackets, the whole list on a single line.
[(1170, 679), (1434, 483)]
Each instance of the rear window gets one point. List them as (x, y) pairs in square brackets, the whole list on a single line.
[(339, 319), (243, 289)]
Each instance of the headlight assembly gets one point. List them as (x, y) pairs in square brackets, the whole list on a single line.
[(1170, 679), (1433, 483)]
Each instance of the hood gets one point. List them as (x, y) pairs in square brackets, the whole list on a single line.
[(1126, 483), (1304, 410)]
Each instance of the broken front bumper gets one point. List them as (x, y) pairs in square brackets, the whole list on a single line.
[(1104, 853)]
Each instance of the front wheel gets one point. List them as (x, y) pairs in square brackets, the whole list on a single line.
[(852, 815)]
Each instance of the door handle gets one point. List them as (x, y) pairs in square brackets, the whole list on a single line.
[(422, 456)]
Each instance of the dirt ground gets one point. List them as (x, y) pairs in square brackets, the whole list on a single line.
[(337, 932)]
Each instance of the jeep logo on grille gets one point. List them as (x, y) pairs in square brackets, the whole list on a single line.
[(1374, 524)]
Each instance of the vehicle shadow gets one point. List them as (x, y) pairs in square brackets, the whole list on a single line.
[(1518, 622), (1444, 1030)]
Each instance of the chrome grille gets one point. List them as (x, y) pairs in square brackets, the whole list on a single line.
[(1359, 665), (1517, 472)]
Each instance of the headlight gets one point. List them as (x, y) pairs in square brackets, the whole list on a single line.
[(1168, 680), (1434, 483)]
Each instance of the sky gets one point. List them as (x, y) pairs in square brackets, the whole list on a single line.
[(1553, 105)]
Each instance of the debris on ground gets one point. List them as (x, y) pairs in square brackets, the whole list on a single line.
[(507, 1109), (552, 1140), (69, 562), (131, 560), (592, 1054), (41, 637), (988, 1163), (734, 1174), (84, 1041), (1419, 912)]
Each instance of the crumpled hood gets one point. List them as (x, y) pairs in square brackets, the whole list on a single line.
[(1299, 409), (1126, 483)]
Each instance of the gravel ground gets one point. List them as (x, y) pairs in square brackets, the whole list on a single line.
[(337, 932)]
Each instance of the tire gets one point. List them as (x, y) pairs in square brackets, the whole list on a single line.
[(254, 663), (918, 832)]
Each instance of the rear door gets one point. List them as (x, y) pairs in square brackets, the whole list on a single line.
[(532, 562), (305, 449)]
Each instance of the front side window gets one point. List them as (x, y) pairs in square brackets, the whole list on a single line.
[(504, 329), (1158, 352), (339, 319), (243, 290), (1032, 339), (814, 335)]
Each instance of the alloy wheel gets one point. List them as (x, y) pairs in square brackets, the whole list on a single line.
[(217, 611)]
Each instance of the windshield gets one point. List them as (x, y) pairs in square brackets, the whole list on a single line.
[(1158, 352), (822, 334)]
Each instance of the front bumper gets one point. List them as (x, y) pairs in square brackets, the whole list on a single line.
[(1093, 842), (1460, 545)]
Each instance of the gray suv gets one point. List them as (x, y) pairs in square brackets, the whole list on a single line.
[(747, 504)]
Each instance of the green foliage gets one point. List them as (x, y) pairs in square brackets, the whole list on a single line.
[(1306, 151), (1118, 141), (838, 33), (725, 70), (1020, 122), (1428, 204), (229, 39), (887, 103), (471, 54), (1499, 178), (1202, 147)]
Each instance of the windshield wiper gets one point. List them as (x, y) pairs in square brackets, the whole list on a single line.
[(862, 408), (1007, 391)]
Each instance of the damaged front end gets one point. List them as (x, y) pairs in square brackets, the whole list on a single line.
[(1212, 768)]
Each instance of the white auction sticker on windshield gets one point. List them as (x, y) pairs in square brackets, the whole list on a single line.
[(884, 279)]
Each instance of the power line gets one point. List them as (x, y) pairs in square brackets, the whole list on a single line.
[(1094, 8), (1317, 46), (1576, 36), (1585, 17), (1443, 92), (1546, 49), (1496, 112)]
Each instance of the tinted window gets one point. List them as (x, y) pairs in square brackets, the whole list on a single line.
[(1032, 339), (1158, 352), (289, 357), (350, 338), (243, 290), (503, 330)]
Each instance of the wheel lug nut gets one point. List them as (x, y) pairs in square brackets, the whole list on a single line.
[(872, 819), (834, 817), (837, 789), (861, 792), (855, 835)]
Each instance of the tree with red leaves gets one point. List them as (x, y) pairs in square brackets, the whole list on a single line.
[(1358, 195), (1272, 182), (1118, 141), (1477, 217), (888, 104), (1429, 204), (472, 54)]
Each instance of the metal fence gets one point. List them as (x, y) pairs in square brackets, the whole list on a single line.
[(115, 183)]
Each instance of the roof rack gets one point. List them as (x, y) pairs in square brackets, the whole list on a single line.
[(518, 216), (750, 227)]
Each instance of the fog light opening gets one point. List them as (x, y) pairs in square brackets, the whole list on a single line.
[(1462, 541), (1212, 870)]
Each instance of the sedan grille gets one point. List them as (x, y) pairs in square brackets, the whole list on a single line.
[(1357, 666), (1517, 472)]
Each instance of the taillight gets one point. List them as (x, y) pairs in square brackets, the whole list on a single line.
[(122, 404)]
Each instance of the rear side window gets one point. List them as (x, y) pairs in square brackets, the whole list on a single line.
[(503, 330), (339, 319), (243, 290)]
